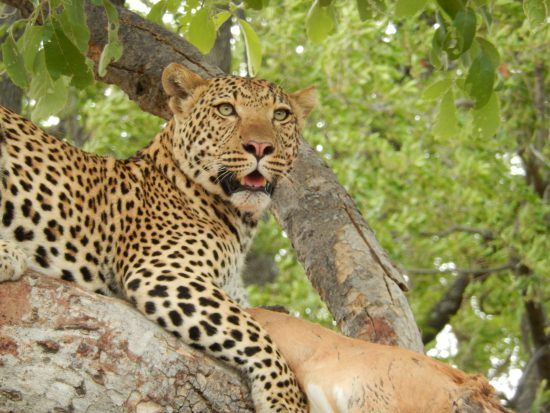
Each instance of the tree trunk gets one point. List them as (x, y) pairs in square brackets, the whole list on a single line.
[(66, 350), (10, 95)]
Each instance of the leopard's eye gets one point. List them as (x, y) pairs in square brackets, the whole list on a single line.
[(226, 109), (281, 114)]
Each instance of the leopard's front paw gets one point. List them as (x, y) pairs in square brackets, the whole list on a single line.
[(13, 261), (281, 396)]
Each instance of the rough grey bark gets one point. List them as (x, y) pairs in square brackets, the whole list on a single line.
[(97, 354), (537, 174), (529, 385), (10, 95), (343, 260), (342, 257), (220, 55)]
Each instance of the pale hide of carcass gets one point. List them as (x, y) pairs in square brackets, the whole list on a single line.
[(345, 375)]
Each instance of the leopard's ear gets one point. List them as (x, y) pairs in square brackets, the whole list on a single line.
[(304, 101), (180, 84)]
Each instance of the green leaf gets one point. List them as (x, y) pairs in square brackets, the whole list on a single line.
[(30, 41), (480, 79), (74, 25), (489, 50), (173, 5), (113, 49), (64, 58), (220, 19), (364, 10), (50, 96), (408, 8), (256, 4), (446, 124), (536, 11), (451, 7), (112, 16), (41, 80), (487, 119), (53, 101), (436, 89), (253, 48), (14, 63), (202, 31), (465, 24), (193, 4), (157, 11), (436, 52), (319, 22), (111, 52)]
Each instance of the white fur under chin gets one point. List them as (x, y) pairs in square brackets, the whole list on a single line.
[(250, 201)]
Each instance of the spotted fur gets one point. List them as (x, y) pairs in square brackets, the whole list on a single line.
[(169, 228)]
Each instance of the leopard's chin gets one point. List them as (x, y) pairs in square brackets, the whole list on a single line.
[(254, 202)]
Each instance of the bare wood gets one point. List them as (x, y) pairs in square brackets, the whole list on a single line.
[(98, 354), (338, 249), (341, 256)]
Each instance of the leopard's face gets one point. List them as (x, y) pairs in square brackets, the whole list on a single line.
[(237, 137)]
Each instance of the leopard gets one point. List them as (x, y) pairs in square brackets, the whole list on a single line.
[(169, 228)]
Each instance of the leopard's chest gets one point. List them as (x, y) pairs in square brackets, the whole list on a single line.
[(190, 232)]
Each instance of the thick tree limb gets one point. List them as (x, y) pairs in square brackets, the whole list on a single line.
[(338, 249), (99, 355), (342, 258)]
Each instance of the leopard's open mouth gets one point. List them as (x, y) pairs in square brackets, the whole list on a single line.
[(254, 182)]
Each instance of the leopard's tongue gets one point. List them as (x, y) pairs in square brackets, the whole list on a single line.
[(254, 180)]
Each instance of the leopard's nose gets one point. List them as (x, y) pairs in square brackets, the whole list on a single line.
[(258, 149)]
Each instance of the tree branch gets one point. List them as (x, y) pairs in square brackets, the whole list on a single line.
[(442, 312), (487, 234), (536, 172), (476, 272), (529, 383), (341, 256), (63, 349)]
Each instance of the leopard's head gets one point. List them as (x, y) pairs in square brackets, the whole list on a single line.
[(235, 136)]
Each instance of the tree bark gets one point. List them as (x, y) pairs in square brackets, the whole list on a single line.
[(342, 258), (98, 354), (10, 95), (529, 385)]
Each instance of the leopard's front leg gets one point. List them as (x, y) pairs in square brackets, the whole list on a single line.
[(13, 261), (203, 316)]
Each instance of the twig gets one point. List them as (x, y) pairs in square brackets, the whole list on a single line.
[(487, 234), (477, 272)]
